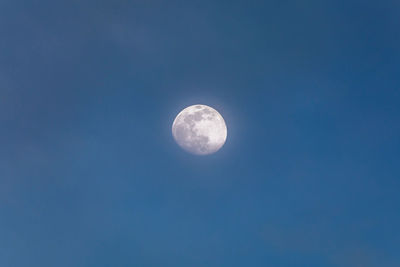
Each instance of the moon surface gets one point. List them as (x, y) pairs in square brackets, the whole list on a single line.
[(200, 130)]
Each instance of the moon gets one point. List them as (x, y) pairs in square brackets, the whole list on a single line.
[(199, 129)]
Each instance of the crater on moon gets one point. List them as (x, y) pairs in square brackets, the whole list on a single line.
[(199, 129)]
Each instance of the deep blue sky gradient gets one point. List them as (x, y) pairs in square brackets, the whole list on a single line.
[(90, 174)]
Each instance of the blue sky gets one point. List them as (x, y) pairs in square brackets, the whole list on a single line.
[(91, 176)]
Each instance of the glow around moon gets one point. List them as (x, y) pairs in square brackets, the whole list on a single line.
[(199, 129)]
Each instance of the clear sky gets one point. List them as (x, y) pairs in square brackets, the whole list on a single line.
[(90, 175)]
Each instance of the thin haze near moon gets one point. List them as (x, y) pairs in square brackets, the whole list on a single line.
[(200, 130)]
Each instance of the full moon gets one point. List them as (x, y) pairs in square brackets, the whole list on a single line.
[(199, 129)]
